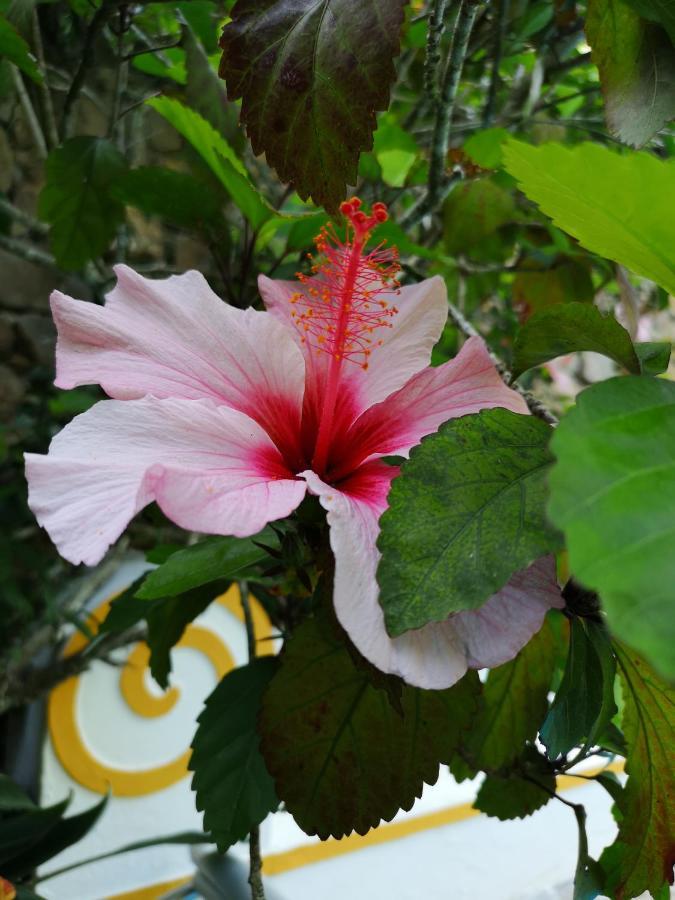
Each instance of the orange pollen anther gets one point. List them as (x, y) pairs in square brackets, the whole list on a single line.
[(344, 298)]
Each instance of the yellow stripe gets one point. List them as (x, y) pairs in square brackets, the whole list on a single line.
[(153, 891), (276, 863)]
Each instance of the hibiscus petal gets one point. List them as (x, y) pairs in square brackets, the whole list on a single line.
[(406, 349), (175, 338), (496, 631), (466, 384), (210, 468), (433, 656)]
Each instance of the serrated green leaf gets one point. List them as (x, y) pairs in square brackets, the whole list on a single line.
[(514, 705), (230, 780), (342, 756), (613, 494), (176, 197), (218, 155), (77, 200), (311, 74), (637, 70), (484, 148), (567, 328), (473, 211), (466, 513), (520, 792), (209, 560), (643, 854), (584, 702), (617, 206), (16, 50)]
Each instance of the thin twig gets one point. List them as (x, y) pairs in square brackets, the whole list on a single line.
[(433, 55), (536, 407), (29, 112), (50, 118), (26, 251), (23, 218), (499, 35), (255, 869)]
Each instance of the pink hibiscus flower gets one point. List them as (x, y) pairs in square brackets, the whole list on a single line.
[(227, 417)]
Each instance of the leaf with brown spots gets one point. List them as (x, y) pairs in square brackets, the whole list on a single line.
[(311, 75), (343, 757)]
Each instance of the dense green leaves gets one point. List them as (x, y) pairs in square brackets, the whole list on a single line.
[(208, 560), (466, 513), (584, 701), (16, 50), (637, 69), (643, 855), (568, 327), (311, 74), (231, 781), (77, 200), (514, 704), (613, 494), (218, 155), (342, 755), (617, 206), (176, 197)]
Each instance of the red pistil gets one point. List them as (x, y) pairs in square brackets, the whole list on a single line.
[(343, 304)]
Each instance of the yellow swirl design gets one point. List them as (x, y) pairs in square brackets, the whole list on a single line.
[(75, 756)]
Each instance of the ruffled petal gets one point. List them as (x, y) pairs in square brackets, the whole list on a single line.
[(210, 468), (496, 631), (433, 656), (175, 338), (465, 384), (406, 349)]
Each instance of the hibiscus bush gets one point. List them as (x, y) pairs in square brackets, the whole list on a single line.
[(320, 273)]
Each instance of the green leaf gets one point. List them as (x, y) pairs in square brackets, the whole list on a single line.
[(176, 197), (565, 281), (484, 148), (517, 793), (661, 12), (514, 704), (654, 356), (77, 201), (617, 206), (208, 560), (637, 70), (642, 857), (613, 494), (570, 327), (12, 797), (21, 832), (466, 513), (16, 50), (311, 74), (167, 620), (473, 211), (170, 63), (342, 756), (231, 781), (218, 155), (205, 92), (396, 151), (584, 702), (63, 834)]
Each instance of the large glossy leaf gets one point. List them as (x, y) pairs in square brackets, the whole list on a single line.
[(569, 327), (16, 50), (613, 494), (617, 206), (343, 756), (218, 155), (637, 69), (514, 705), (465, 514), (584, 701), (311, 74), (643, 855), (230, 779), (77, 200)]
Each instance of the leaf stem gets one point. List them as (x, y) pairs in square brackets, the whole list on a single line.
[(255, 857), (503, 7), (433, 53), (29, 113)]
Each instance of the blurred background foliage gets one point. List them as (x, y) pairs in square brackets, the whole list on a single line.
[(118, 144)]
